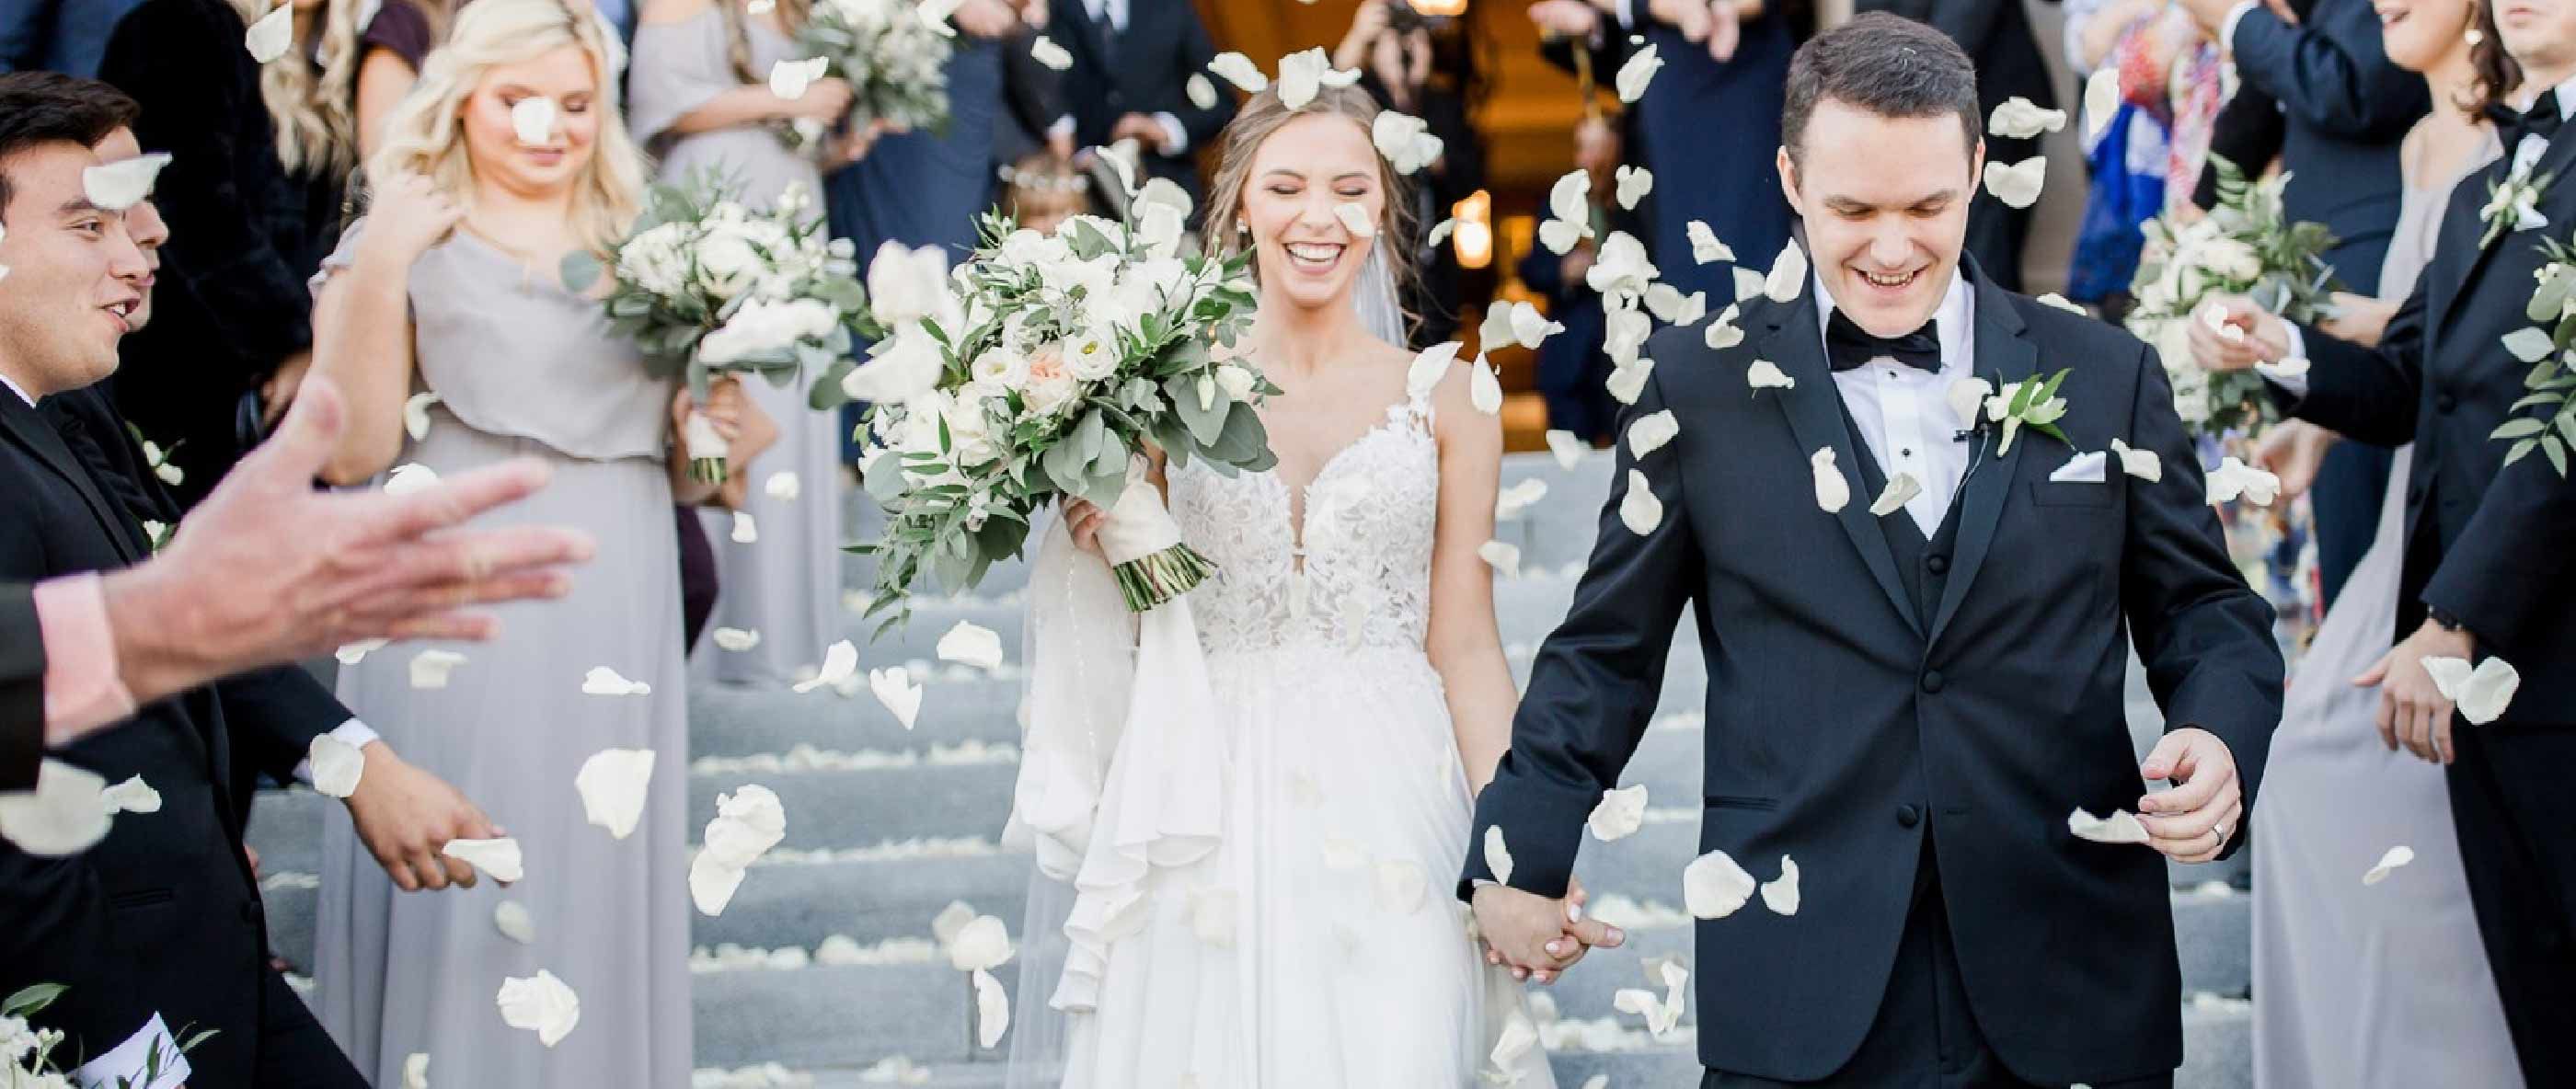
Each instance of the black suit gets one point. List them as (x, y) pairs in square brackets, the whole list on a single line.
[(22, 687), (1143, 69), (1996, 35), (2487, 543), (1879, 723), (163, 915), (1032, 100)]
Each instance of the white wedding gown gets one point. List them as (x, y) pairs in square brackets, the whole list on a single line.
[(1321, 945)]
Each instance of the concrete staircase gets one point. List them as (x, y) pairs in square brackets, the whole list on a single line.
[(825, 965)]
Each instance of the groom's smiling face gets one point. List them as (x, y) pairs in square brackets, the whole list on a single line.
[(1885, 203)]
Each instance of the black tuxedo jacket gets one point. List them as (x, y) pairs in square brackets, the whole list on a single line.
[(2485, 542), (1845, 725), (163, 915), (22, 687), (1146, 70)]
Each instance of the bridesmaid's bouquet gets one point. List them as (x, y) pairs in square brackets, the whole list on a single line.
[(2244, 246), (892, 53), (707, 286), (2549, 346), (1041, 368)]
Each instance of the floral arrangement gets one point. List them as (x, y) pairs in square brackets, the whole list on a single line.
[(1038, 369), (2246, 246), (27, 1052), (707, 286), (2549, 346), (892, 53)]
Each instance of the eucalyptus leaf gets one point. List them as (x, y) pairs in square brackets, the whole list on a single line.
[(2520, 428), (2528, 344)]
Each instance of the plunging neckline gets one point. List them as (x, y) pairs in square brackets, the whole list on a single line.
[(1300, 496)]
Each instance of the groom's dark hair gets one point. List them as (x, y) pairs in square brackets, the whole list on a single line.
[(1886, 64)]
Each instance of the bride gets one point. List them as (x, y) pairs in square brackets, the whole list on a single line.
[(1360, 695)]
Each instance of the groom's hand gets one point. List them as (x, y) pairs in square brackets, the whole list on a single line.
[(1538, 936), (2193, 821)]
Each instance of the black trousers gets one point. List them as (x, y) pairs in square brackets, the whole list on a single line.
[(294, 1052), (2516, 814), (1924, 1036)]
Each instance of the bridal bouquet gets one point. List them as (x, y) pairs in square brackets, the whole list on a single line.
[(2549, 345), (1056, 359), (892, 53), (706, 286), (2244, 246)]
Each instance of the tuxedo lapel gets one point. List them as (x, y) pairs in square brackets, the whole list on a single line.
[(2553, 165), (22, 423), (2004, 355), (1796, 344)]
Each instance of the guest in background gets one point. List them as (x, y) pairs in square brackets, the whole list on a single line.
[(391, 48), (1041, 191), (1572, 366), (703, 107), (451, 286), (1996, 35), (259, 158), (1424, 67), (66, 36), (1032, 95), (1132, 60)]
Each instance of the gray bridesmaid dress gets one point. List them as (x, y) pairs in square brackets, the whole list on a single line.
[(525, 369), (786, 584)]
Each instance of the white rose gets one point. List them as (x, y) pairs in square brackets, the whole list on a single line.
[(654, 260), (970, 432), (765, 328), (1092, 356), (2230, 259), (905, 366), (1236, 381), (1000, 369), (727, 263)]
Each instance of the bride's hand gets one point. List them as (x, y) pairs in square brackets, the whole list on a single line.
[(1083, 520)]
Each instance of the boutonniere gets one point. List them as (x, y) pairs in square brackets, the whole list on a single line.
[(2515, 203), (2031, 403), (157, 534), (157, 460)]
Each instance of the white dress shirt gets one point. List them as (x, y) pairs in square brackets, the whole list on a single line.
[(13, 388), (1904, 411)]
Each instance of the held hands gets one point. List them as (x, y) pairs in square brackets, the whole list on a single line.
[(1536, 935), (2265, 339), (2412, 711), (2193, 821), (405, 816)]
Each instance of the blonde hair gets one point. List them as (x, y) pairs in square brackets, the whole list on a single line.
[(311, 95), (1264, 115), (425, 136)]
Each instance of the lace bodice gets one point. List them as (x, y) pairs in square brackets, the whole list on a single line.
[(1369, 515)]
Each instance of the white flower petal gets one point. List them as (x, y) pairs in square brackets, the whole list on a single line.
[(2396, 857), (1559, 235), (1202, 92), (895, 688), (1833, 491), (1749, 282), (416, 415), (1627, 381), (416, 1070), (1043, 50), (2120, 827), (511, 918), (2233, 479), (1650, 432), (1429, 366), (1964, 396), (735, 639), (1529, 327), (783, 486), (1405, 141), (1713, 886), (1634, 182), (124, 183), (1237, 69), (1484, 389), (338, 765), (983, 943), (1568, 199), (499, 857), (1901, 489), (1513, 1044), (745, 529), (2019, 118), (409, 478), (2145, 465), (352, 653), (1619, 814), (1567, 448), (1788, 275), (1439, 232), (131, 796), (1781, 894), (2101, 101), (789, 79), (532, 120), (2481, 694), (1722, 331), (1639, 71), (1400, 886), (612, 784), (992, 1010), (968, 644), (840, 660), (543, 1005), (1639, 508), (1355, 219), (429, 668), (1765, 374), (603, 681), (2063, 303), (951, 920), (64, 815), (2017, 184), (1498, 858), (1504, 558), (274, 33), (748, 822), (1704, 244)]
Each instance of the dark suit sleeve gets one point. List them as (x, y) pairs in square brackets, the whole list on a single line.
[(275, 714), (1194, 52), (2511, 570), (2333, 73), (1593, 687), (1033, 92), (2368, 394), (2248, 131), (22, 688)]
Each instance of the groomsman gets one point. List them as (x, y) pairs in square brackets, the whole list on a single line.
[(2486, 571), (1911, 690), (1132, 62)]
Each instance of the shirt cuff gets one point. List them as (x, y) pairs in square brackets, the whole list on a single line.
[(82, 688), (356, 734), (2296, 385), (2227, 26), (1175, 138), (126, 1064)]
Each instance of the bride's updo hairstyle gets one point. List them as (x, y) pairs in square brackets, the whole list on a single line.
[(1262, 116)]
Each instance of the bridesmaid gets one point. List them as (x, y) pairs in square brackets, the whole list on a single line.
[(450, 288), (701, 98)]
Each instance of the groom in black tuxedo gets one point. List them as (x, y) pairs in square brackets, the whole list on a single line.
[(1910, 704)]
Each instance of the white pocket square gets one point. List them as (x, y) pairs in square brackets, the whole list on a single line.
[(2083, 468)]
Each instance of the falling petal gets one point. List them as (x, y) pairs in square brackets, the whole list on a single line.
[(1723, 333), (1781, 895), (1650, 432), (1484, 390), (271, 36), (603, 681), (2120, 827), (1748, 282), (1439, 232), (1202, 92), (498, 857), (992, 1010), (894, 687), (745, 530), (1639, 71), (1569, 199), (1519, 497), (511, 918), (1619, 814), (1355, 219), (338, 765), (131, 796), (840, 660), (968, 644), (353, 653), (1400, 886), (2101, 101), (951, 921), (1901, 489), (124, 183), (2142, 464), (1788, 275), (1627, 381), (1560, 235), (735, 639), (1639, 508), (1567, 448), (1634, 182), (64, 815), (783, 486), (1704, 244), (409, 478), (1405, 141), (2388, 863), (543, 1005), (1043, 50), (1237, 69), (1713, 886), (612, 784), (429, 668), (1765, 374), (788, 79), (2017, 184), (2019, 118), (416, 415), (1429, 366), (2063, 303), (1529, 327), (532, 120), (1512, 1045), (748, 822), (1505, 559), (2483, 693), (416, 1070), (2233, 478), (1498, 858), (1832, 489), (983, 943), (1964, 396)]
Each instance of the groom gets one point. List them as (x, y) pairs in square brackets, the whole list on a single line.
[(1910, 705)]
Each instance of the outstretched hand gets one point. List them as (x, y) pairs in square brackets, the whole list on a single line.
[(1538, 936)]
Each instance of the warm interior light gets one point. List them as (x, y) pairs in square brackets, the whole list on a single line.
[(1473, 233), (1440, 7)]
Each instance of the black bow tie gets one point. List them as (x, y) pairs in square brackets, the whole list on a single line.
[(1850, 347), (2541, 120)]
